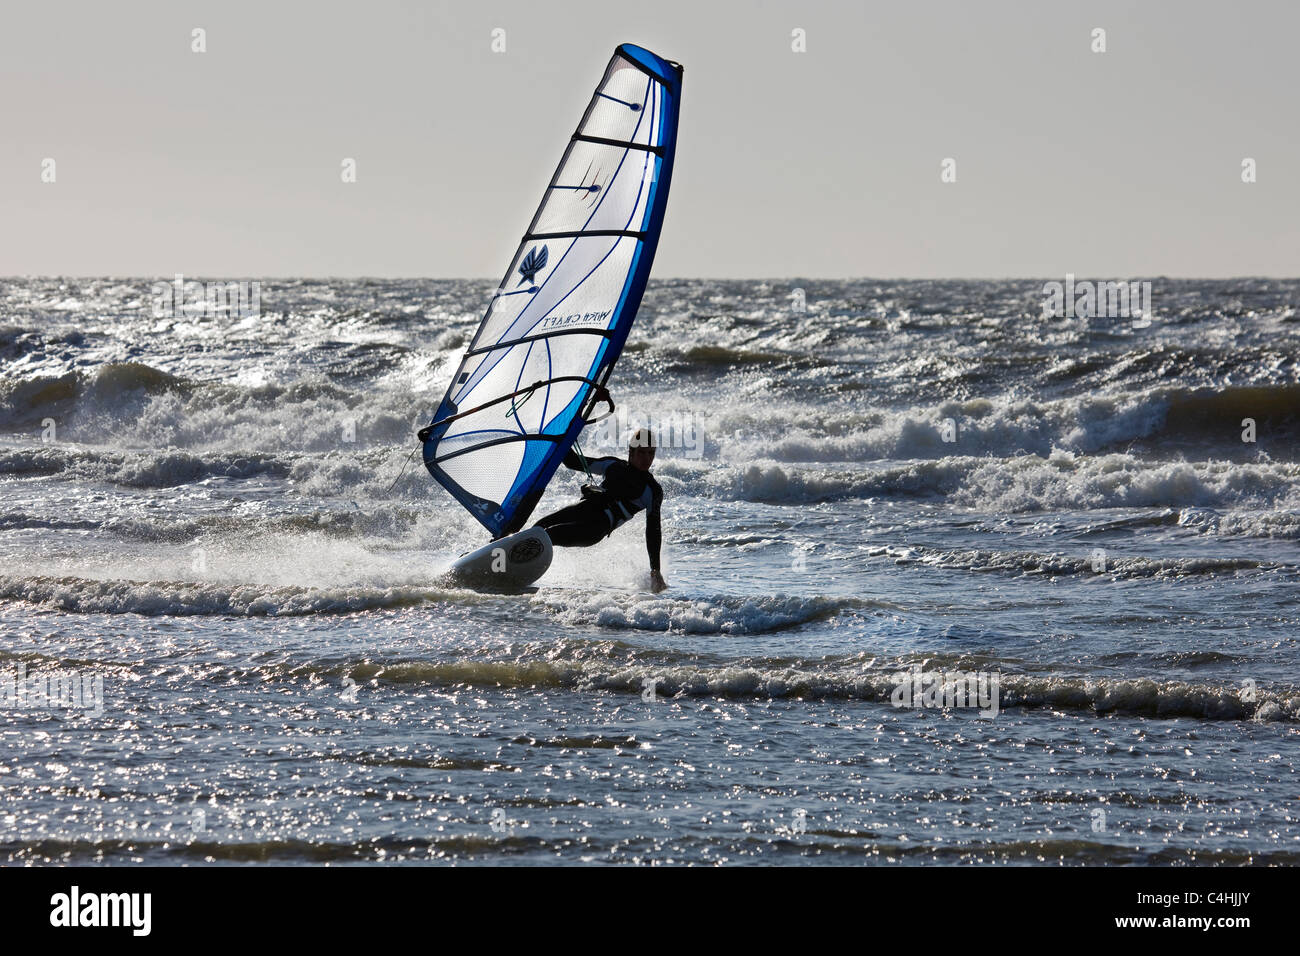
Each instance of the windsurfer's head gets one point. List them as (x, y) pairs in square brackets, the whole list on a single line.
[(641, 449)]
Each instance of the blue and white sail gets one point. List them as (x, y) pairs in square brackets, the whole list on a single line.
[(558, 321)]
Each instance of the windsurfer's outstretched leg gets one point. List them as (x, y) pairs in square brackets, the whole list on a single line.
[(577, 526)]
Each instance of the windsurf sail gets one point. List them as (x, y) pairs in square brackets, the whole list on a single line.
[(538, 365)]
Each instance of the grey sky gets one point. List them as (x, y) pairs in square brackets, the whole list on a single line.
[(819, 164)]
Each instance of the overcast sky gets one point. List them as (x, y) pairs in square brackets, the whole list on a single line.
[(817, 164)]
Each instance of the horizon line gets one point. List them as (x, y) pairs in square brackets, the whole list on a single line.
[(715, 278)]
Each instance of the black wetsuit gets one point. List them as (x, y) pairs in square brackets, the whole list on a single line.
[(622, 492)]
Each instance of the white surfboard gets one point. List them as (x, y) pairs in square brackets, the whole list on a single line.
[(514, 561)]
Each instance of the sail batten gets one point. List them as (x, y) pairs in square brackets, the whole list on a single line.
[(562, 313)]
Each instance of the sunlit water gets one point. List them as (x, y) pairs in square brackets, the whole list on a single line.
[(209, 515)]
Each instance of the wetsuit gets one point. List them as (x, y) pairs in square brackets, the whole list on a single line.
[(622, 492)]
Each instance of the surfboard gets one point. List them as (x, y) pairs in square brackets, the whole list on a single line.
[(537, 368), (515, 561)]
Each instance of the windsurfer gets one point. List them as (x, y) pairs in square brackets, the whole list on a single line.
[(626, 487)]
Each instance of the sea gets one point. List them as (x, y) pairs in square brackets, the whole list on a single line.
[(954, 578)]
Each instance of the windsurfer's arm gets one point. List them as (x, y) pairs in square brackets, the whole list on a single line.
[(654, 539), (596, 466)]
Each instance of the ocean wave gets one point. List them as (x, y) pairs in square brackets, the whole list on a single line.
[(1002, 426), (177, 598), (1061, 480), (782, 483), (715, 615), (388, 524), (708, 359), (1282, 524), (1218, 413), (602, 666), (1116, 566), (162, 469), (1232, 498), (1065, 481), (116, 385), (847, 845), (1128, 696), (133, 406), (129, 404)]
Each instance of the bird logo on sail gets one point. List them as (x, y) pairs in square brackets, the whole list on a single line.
[(533, 263)]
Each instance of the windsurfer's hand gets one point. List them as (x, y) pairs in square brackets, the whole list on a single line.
[(657, 582)]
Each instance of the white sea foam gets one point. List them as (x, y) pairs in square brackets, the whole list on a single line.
[(690, 615)]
